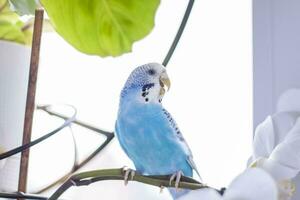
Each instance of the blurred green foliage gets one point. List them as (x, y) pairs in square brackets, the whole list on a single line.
[(12, 28), (102, 27)]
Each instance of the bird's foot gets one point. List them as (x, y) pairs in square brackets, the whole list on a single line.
[(128, 173), (161, 189), (176, 176)]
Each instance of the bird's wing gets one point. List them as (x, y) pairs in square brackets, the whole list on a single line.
[(122, 144), (191, 162), (181, 139)]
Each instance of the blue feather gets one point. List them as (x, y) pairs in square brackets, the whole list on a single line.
[(147, 132)]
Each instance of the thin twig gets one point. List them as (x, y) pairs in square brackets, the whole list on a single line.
[(21, 195), (179, 33), (109, 136), (87, 178), (47, 109)]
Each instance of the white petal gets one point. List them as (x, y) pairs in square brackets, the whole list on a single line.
[(263, 143), (283, 122), (202, 194), (287, 153), (289, 101), (253, 184), (250, 161), (275, 169)]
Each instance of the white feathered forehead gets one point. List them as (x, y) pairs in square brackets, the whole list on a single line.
[(158, 68), (145, 72), (142, 75)]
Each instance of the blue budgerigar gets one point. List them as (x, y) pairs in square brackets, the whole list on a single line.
[(145, 129)]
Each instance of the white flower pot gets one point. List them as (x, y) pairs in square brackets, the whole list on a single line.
[(14, 73)]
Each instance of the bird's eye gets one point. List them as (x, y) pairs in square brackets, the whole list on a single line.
[(151, 72)]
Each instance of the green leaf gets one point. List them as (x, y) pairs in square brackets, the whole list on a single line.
[(12, 29), (4, 6), (24, 7), (102, 27)]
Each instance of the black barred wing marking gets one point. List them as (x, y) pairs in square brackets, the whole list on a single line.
[(181, 138)]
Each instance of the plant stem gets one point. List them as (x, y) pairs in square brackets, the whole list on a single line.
[(86, 178), (21, 195), (179, 33)]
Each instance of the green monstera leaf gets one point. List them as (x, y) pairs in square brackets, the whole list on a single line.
[(102, 27), (11, 27), (4, 6)]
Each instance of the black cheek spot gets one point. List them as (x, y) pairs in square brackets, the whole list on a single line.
[(146, 99), (147, 86)]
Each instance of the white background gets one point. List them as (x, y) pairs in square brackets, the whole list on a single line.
[(210, 96)]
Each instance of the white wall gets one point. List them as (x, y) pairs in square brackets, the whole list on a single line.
[(276, 54), (276, 33)]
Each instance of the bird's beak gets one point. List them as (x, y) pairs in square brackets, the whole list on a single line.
[(164, 82)]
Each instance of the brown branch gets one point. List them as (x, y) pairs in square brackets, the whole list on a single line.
[(30, 101)]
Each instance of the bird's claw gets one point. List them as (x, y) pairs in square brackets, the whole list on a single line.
[(128, 172), (161, 189), (176, 176)]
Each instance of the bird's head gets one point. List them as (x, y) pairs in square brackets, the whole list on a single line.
[(148, 83)]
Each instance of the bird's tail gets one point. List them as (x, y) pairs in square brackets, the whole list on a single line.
[(178, 193)]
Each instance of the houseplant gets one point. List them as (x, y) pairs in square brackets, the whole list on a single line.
[(122, 24)]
